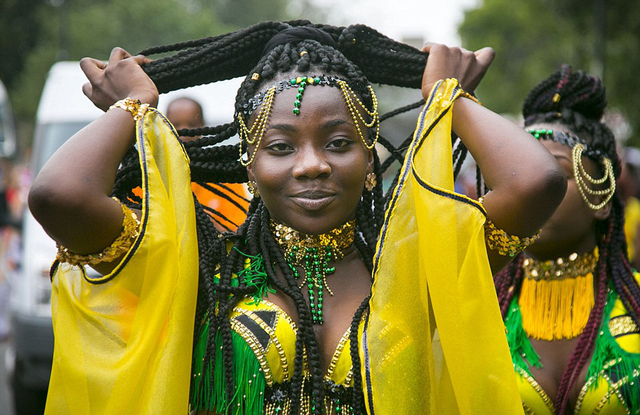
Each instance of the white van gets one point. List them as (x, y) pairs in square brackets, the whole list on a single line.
[(64, 110), (7, 129)]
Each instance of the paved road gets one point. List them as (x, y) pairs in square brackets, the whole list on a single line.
[(6, 404)]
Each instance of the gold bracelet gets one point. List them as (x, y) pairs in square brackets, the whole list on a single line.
[(465, 94), (130, 231), (505, 244), (133, 106)]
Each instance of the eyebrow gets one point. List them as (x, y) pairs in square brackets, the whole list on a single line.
[(325, 126), (561, 156)]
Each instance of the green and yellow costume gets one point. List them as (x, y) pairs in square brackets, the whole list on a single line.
[(613, 378), (432, 343)]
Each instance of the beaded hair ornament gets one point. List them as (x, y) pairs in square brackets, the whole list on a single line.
[(584, 179), (253, 135)]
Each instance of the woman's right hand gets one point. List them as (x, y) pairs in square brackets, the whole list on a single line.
[(120, 78)]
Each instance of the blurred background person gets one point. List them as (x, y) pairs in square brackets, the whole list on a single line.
[(227, 202), (629, 190), (14, 185)]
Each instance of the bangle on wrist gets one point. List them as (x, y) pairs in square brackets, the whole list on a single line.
[(132, 106), (472, 97)]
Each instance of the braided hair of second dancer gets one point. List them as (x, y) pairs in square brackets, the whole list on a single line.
[(357, 54), (580, 108)]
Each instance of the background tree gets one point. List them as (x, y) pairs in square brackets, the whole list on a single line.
[(34, 34), (533, 37)]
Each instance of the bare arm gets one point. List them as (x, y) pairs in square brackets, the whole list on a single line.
[(526, 182), (70, 195)]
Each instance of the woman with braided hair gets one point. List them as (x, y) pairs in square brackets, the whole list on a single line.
[(571, 301), (321, 302)]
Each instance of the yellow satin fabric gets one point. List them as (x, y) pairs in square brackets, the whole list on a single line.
[(123, 342), (434, 341)]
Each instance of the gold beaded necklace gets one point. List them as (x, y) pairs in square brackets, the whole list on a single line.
[(313, 253)]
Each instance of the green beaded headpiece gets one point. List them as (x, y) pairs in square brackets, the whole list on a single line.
[(264, 100)]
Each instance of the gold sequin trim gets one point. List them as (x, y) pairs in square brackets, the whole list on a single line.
[(467, 95), (527, 410), (613, 389), (547, 401), (583, 393), (504, 244), (281, 313), (562, 268), (273, 339), (336, 355), (619, 326), (130, 231), (339, 238)]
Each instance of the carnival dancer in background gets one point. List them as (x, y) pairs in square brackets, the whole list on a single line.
[(571, 302)]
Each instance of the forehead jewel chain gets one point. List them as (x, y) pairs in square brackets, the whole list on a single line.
[(253, 135)]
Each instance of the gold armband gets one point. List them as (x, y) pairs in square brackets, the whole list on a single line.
[(472, 97), (505, 244), (130, 231), (133, 106)]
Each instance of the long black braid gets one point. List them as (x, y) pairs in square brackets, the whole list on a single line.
[(577, 100), (359, 55)]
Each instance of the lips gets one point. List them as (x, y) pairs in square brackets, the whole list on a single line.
[(313, 199)]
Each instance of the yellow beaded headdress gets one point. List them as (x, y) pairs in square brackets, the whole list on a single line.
[(582, 177), (253, 135)]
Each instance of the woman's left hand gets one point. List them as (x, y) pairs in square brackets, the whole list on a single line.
[(454, 62)]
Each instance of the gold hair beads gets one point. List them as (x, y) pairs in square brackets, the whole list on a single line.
[(253, 136)]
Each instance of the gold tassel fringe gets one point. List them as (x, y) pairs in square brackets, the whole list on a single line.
[(556, 309)]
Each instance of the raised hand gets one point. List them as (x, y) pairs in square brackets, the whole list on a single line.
[(454, 62), (120, 78)]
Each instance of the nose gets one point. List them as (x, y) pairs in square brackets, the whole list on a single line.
[(310, 163)]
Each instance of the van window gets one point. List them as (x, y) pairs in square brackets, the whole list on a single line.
[(52, 136), (4, 122)]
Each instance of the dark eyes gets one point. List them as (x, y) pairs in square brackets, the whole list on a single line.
[(338, 143), (279, 147)]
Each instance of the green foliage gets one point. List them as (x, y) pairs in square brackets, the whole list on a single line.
[(80, 28), (15, 41), (532, 38), (37, 33)]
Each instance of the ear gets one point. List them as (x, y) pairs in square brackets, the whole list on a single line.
[(602, 214), (370, 161), (250, 172)]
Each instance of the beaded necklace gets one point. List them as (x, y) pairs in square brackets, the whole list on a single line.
[(313, 253)]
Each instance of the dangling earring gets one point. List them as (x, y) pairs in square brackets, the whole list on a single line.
[(370, 181), (252, 186)]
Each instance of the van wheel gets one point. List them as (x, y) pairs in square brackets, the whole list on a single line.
[(27, 400)]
